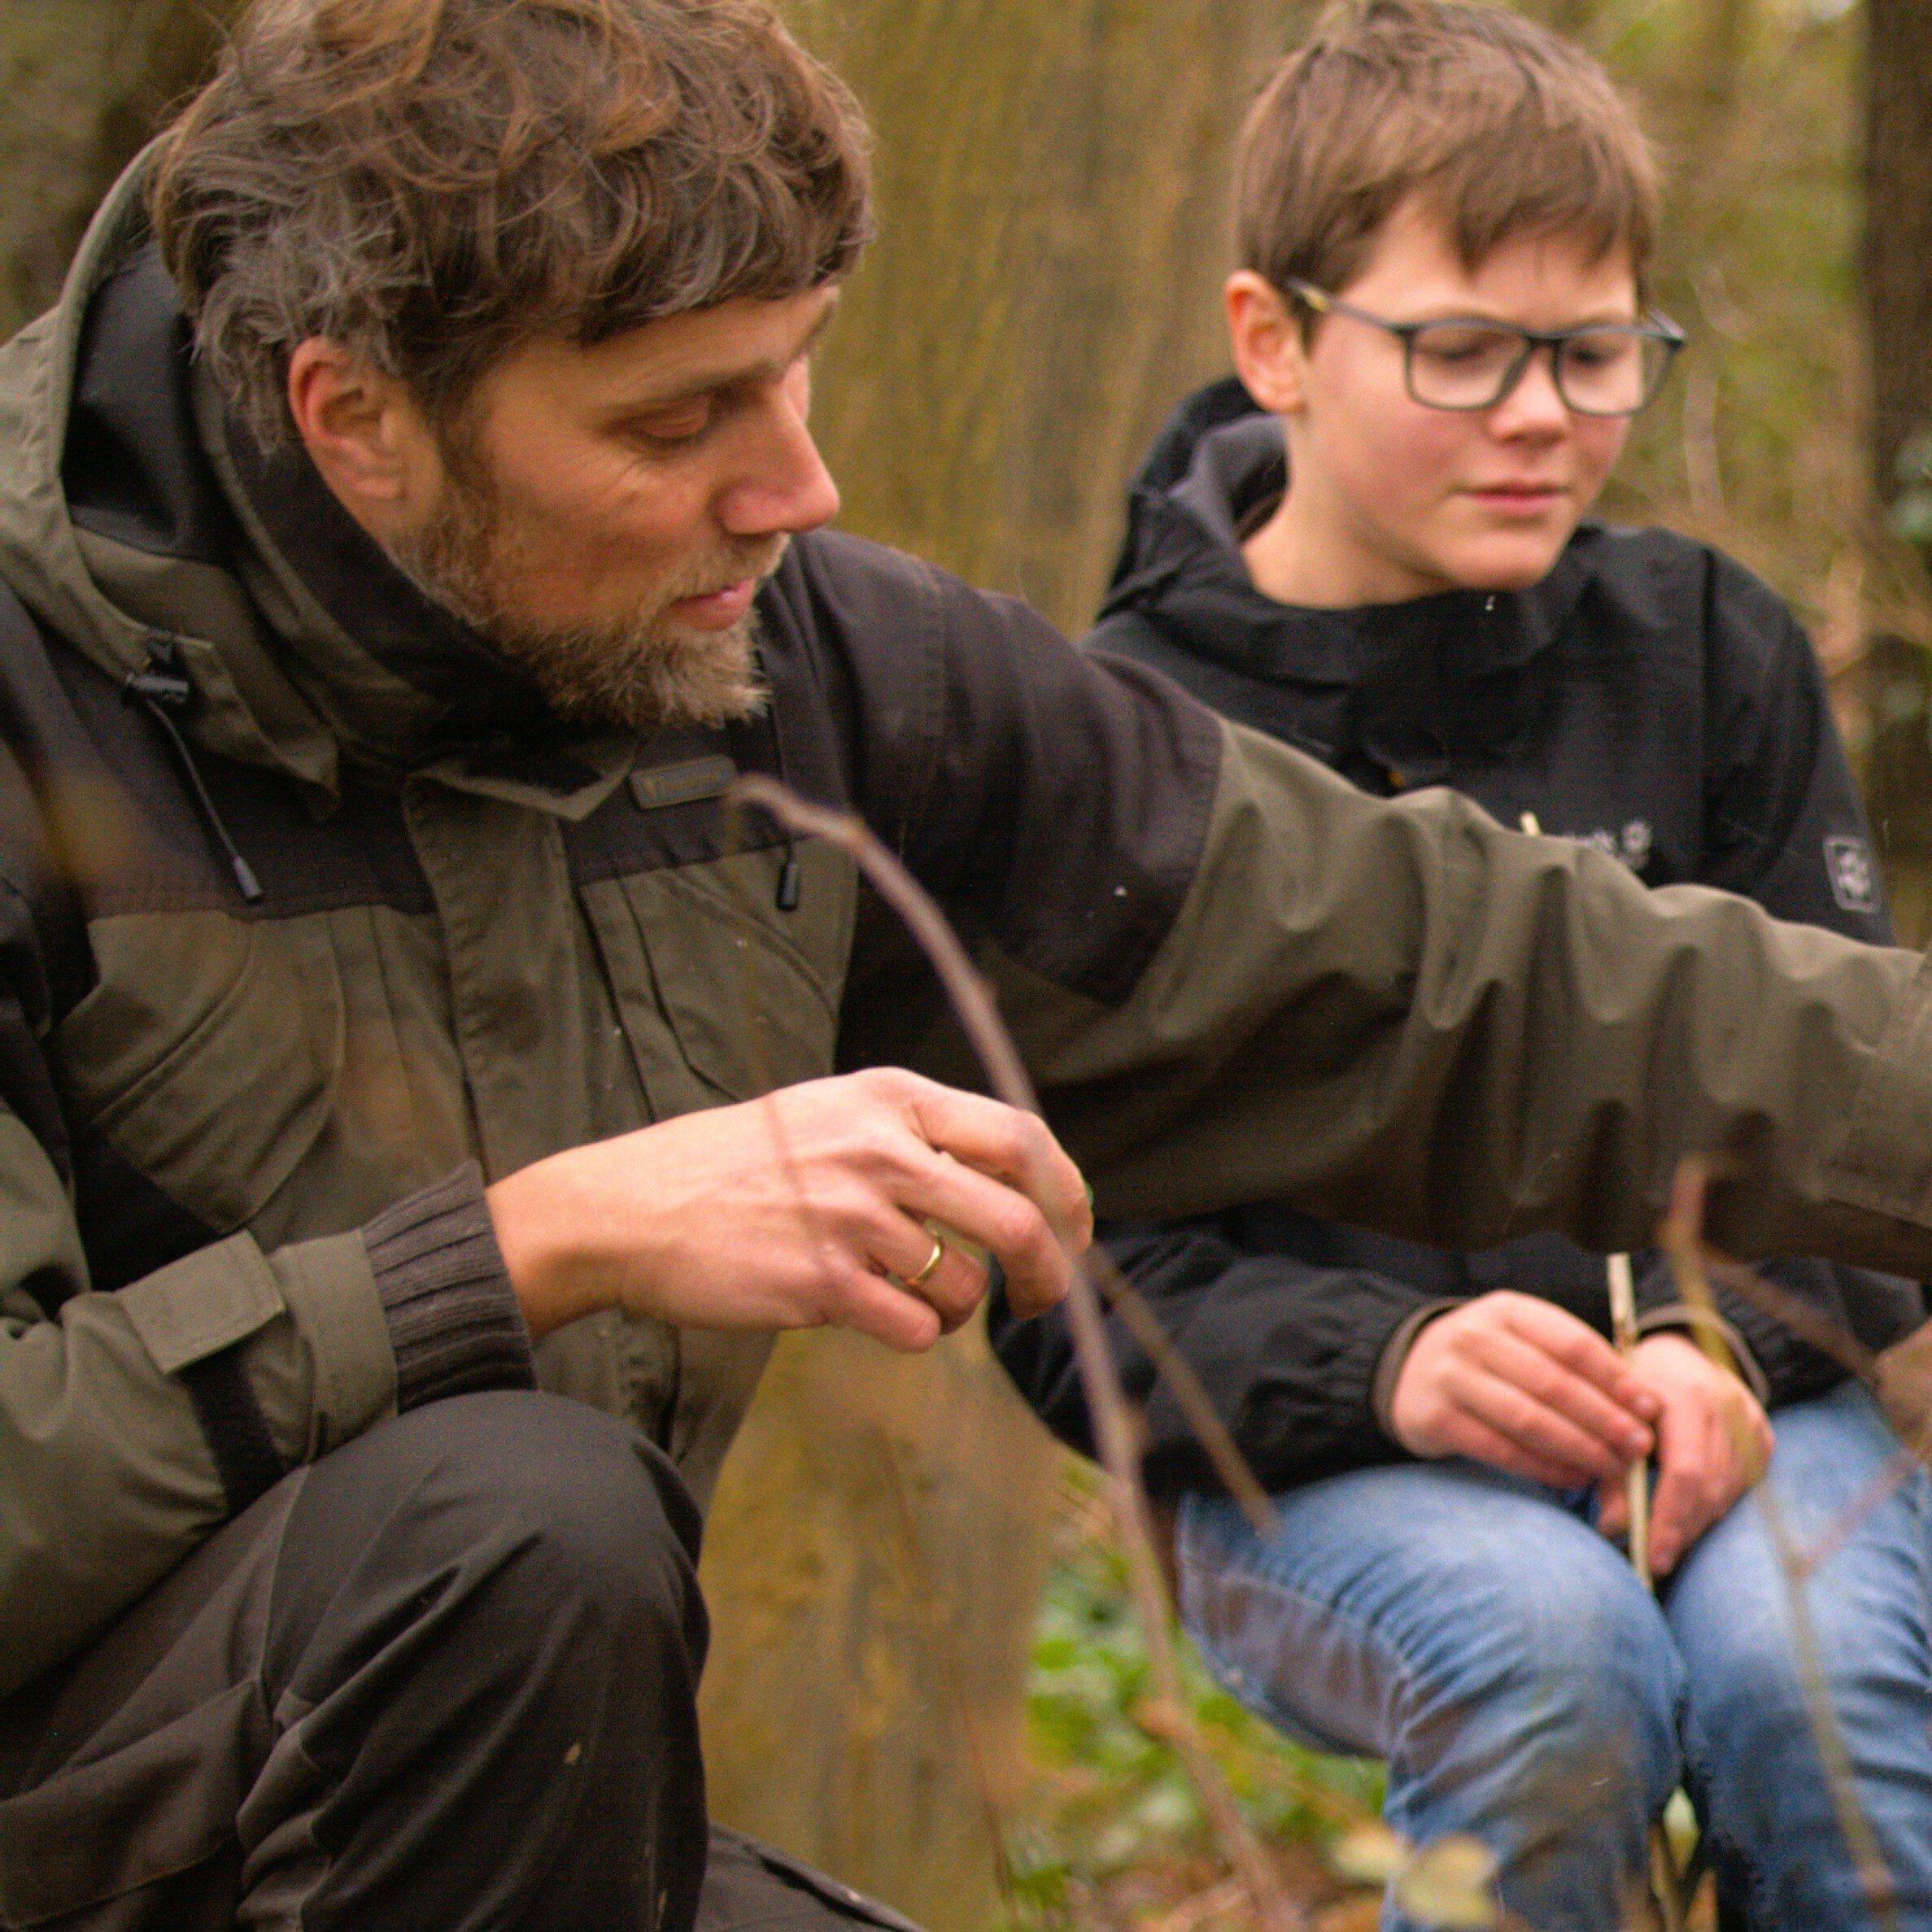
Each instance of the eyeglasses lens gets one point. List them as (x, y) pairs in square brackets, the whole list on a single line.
[(1599, 372)]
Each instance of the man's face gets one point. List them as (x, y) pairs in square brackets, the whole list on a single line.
[(606, 515), (1399, 499)]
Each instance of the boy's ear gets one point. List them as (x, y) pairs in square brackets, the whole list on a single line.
[(362, 432), (1265, 334)]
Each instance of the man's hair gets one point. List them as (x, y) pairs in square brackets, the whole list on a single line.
[(430, 182), (1501, 126)]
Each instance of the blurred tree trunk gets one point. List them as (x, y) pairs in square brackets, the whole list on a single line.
[(85, 83), (1897, 251), (1053, 191)]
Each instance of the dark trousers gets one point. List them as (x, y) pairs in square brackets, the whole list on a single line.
[(443, 1678)]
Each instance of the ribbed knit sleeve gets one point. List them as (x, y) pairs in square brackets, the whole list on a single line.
[(453, 1317)]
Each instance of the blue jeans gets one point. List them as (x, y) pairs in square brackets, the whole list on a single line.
[(1477, 1633)]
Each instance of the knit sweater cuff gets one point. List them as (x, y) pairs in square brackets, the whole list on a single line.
[(453, 1318)]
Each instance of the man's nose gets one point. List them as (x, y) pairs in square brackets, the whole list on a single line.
[(783, 487)]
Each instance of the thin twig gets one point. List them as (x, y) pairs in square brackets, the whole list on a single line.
[(1874, 1877), (1114, 1423), (1681, 1238), (1229, 1464)]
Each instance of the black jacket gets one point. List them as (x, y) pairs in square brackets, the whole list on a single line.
[(1649, 697)]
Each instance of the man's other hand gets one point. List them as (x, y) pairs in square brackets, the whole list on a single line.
[(1517, 1383), (808, 1206)]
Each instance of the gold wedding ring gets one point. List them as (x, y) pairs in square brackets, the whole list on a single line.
[(932, 1261)]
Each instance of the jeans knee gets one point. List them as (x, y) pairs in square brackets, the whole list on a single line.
[(1580, 1643)]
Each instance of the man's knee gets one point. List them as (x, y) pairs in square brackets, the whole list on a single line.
[(516, 1509)]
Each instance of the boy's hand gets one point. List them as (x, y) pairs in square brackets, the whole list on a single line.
[(1515, 1381), (1713, 1441)]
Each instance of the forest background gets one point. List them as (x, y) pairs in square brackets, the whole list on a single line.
[(1054, 192)]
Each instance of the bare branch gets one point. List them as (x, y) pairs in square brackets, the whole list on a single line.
[(1114, 1422)]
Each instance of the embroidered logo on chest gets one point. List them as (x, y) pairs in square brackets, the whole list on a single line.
[(1631, 845), (1853, 873)]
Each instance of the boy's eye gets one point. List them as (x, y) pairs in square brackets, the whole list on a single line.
[(1462, 346), (1598, 351)]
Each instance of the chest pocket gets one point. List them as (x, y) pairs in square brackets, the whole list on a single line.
[(723, 995), (208, 1054)]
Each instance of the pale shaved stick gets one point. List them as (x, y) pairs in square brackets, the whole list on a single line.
[(1637, 1486), (1667, 1885)]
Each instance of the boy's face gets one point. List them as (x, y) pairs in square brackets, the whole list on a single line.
[(1391, 499)]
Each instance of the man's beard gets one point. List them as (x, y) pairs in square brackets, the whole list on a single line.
[(641, 670)]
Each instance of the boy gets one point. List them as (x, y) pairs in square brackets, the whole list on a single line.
[(1374, 550)]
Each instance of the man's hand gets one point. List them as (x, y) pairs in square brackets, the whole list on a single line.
[(806, 1207), (1712, 1444), (1522, 1386)]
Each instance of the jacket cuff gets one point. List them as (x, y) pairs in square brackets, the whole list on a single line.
[(1686, 1318), (1395, 1352), (453, 1318)]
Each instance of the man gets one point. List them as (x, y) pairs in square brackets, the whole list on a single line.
[(402, 500)]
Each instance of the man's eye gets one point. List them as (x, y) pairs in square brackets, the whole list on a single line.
[(672, 430)]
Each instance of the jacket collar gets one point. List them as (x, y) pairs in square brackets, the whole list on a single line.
[(1416, 685), (133, 507)]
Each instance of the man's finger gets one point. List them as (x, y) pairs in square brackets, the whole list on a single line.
[(948, 1275), (1001, 1218), (877, 1307), (1015, 1147)]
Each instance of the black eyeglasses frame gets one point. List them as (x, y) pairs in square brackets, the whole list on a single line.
[(1655, 327)]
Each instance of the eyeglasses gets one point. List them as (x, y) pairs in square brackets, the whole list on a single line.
[(1602, 368)]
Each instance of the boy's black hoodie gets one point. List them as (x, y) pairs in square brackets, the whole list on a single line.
[(1648, 696)]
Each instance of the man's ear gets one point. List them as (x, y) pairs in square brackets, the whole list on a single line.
[(1265, 334), (364, 435)]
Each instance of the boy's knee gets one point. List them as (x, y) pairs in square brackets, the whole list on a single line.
[(1572, 1658)]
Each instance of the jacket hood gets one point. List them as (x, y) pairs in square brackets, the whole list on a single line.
[(134, 510), (1415, 684)]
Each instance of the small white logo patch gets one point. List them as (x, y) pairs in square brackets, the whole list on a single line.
[(1631, 845), (1854, 875)]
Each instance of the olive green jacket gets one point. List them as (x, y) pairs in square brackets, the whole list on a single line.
[(310, 919)]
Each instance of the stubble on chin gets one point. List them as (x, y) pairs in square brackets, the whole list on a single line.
[(640, 670)]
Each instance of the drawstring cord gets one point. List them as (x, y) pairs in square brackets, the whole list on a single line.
[(163, 691), (790, 879)]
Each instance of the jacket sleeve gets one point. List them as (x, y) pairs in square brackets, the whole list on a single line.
[(134, 1423), (1237, 978), (1398, 1014), (1286, 1351), (1784, 826)]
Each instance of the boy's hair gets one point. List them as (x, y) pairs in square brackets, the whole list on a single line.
[(430, 182), (1501, 126)]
